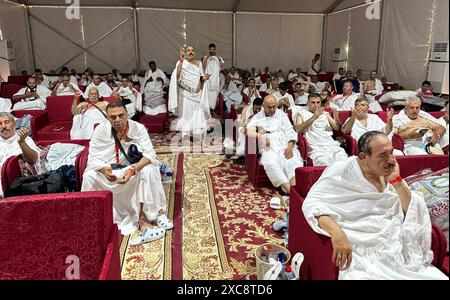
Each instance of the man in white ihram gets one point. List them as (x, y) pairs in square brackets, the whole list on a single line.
[(317, 126), (102, 87), (379, 229), (417, 128), (212, 64), (138, 194), (129, 96), (14, 143), (280, 156), (187, 95), (32, 97), (153, 91), (86, 115)]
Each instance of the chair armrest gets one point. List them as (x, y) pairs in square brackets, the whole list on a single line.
[(317, 249), (438, 246), (111, 264), (37, 123)]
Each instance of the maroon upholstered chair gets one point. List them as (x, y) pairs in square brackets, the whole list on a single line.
[(56, 122), (49, 237), (317, 249), (18, 79), (9, 89), (11, 169)]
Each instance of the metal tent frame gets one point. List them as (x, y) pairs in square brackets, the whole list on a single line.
[(135, 5)]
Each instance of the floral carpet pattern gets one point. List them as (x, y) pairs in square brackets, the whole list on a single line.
[(153, 260), (224, 219)]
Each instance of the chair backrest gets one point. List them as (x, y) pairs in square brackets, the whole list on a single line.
[(398, 142), (306, 177), (10, 171), (437, 114), (33, 113), (59, 108), (9, 89), (53, 229), (18, 79)]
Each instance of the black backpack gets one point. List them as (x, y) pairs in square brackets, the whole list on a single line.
[(38, 184)]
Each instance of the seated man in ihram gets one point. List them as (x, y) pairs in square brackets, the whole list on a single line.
[(138, 193), (66, 88), (103, 88), (86, 115), (361, 121), (129, 96), (418, 128), (153, 91), (317, 126), (278, 144), (14, 143), (32, 97), (379, 228)]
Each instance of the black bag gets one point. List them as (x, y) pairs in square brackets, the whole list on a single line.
[(38, 184), (134, 155)]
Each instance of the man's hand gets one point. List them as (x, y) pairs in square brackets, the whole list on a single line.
[(335, 114), (288, 152), (342, 250), (23, 133), (107, 171), (206, 77), (126, 176), (395, 172), (130, 85), (319, 111), (390, 114)]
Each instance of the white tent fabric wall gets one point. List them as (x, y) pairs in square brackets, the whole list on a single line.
[(17, 34), (278, 41), (351, 28), (51, 49), (363, 43), (336, 37), (407, 36), (205, 28), (160, 37), (117, 49), (55, 39)]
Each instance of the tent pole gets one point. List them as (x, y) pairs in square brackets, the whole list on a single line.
[(29, 37), (324, 40), (234, 39), (136, 39), (379, 39)]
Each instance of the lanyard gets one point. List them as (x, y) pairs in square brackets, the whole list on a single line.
[(117, 146)]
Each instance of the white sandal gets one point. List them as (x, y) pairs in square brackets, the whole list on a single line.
[(148, 235), (164, 222)]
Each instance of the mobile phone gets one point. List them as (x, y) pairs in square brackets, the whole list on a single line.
[(423, 131)]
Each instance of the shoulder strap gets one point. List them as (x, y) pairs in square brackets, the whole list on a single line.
[(119, 144), (94, 105)]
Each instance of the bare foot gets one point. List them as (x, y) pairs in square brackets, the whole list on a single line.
[(144, 223)]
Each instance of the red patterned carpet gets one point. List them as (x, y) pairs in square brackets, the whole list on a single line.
[(224, 219)]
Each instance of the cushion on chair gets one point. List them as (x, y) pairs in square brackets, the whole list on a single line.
[(55, 131), (42, 235)]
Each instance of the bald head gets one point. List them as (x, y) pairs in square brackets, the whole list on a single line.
[(270, 105)]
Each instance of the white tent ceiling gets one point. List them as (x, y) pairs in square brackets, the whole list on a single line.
[(288, 6)]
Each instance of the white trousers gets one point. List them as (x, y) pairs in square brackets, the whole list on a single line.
[(145, 187)]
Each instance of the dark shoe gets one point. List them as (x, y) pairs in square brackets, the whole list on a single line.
[(239, 161)]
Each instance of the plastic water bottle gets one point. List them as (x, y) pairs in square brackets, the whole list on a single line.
[(289, 273)]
